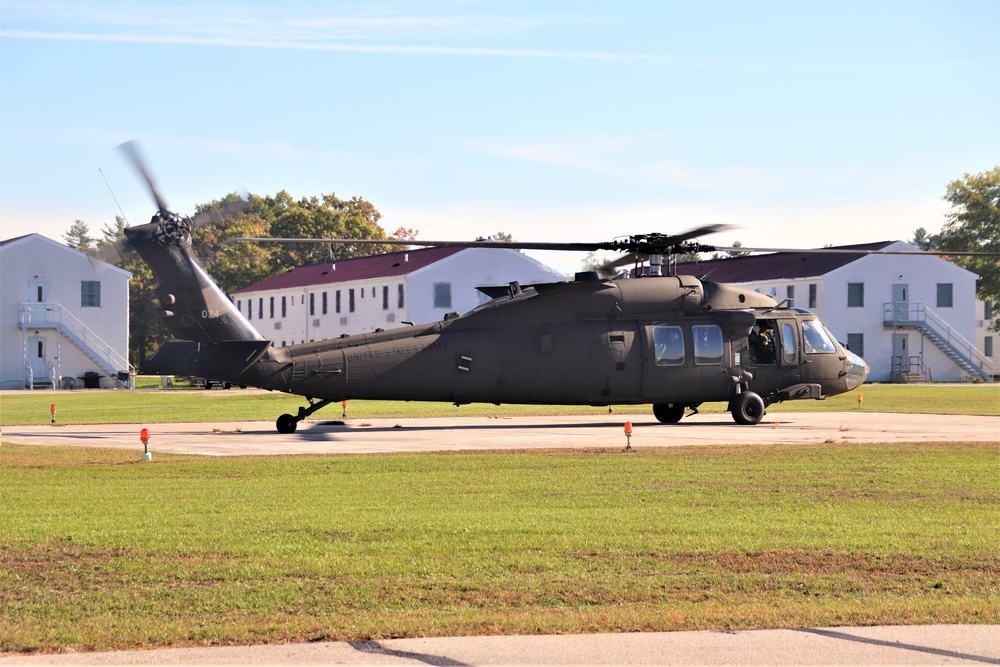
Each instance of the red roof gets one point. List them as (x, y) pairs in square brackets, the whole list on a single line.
[(776, 266), (357, 268)]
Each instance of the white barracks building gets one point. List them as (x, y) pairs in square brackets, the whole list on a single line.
[(366, 294)]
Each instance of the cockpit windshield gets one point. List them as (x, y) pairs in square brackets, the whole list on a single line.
[(815, 339)]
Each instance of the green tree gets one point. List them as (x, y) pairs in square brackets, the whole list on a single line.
[(78, 237), (973, 225), (922, 239), (317, 218)]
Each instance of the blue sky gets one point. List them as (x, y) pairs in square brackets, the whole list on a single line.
[(803, 124)]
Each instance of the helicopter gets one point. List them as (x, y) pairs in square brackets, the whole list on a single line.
[(672, 341)]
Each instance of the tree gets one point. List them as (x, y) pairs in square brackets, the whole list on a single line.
[(922, 239), (78, 237), (318, 218), (973, 225)]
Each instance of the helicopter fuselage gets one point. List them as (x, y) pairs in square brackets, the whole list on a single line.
[(673, 341)]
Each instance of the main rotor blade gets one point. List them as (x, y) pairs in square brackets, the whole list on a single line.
[(131, 150), (848, 251), (513, 245)]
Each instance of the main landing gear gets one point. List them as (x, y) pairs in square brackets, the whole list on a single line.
[(747, 408), (286, 423)]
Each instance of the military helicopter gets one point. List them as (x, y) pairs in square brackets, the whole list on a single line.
[(673, 341)]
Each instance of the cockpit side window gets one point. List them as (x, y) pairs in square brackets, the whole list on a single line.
[(668, 346), (788, 343), (815, 339), (762, 342), (707, 344)]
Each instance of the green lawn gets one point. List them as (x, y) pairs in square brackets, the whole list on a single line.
[(156, 406), (99, 552)]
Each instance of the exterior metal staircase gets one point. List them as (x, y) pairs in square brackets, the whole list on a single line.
[(54, 316), (912, 315)]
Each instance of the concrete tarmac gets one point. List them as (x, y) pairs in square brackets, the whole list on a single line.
[(366, 436), (891, 645), (909, 645)]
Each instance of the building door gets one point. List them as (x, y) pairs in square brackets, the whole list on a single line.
[(37, 357), (900, 352), (37, 296), (900, 303)]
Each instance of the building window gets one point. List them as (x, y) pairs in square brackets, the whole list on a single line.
[(284, 310), (249, 309), (988, 346), (944, 295), (442, 295), (399, 296), (987, 310), (336, 301), (239, 305), (385, 297), (312, 303), (856, 344), (350, 300), (855, 295), (260, 308), (271, 308), (90, 294), (812, 296), (790, 295), (324, 303)]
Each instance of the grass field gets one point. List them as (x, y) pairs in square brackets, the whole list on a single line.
[(100, 552), (157, 406)]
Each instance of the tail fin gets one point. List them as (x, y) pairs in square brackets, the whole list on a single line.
[(194, 308)]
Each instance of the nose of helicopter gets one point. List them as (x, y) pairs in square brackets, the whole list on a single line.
[(857, 370)]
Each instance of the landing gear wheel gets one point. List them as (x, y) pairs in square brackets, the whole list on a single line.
[(748, 408), (668, 413), (286, 424)]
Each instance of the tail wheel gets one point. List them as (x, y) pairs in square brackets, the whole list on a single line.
[(748, 408), (668, 413), (286, 424)]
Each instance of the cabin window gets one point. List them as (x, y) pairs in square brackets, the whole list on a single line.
[(668, 346), (762, 343), (855, 295), (856, 343), (788, 343), (815, 339), (90, 294), (707, 344), (944, 295), (442, 295)]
